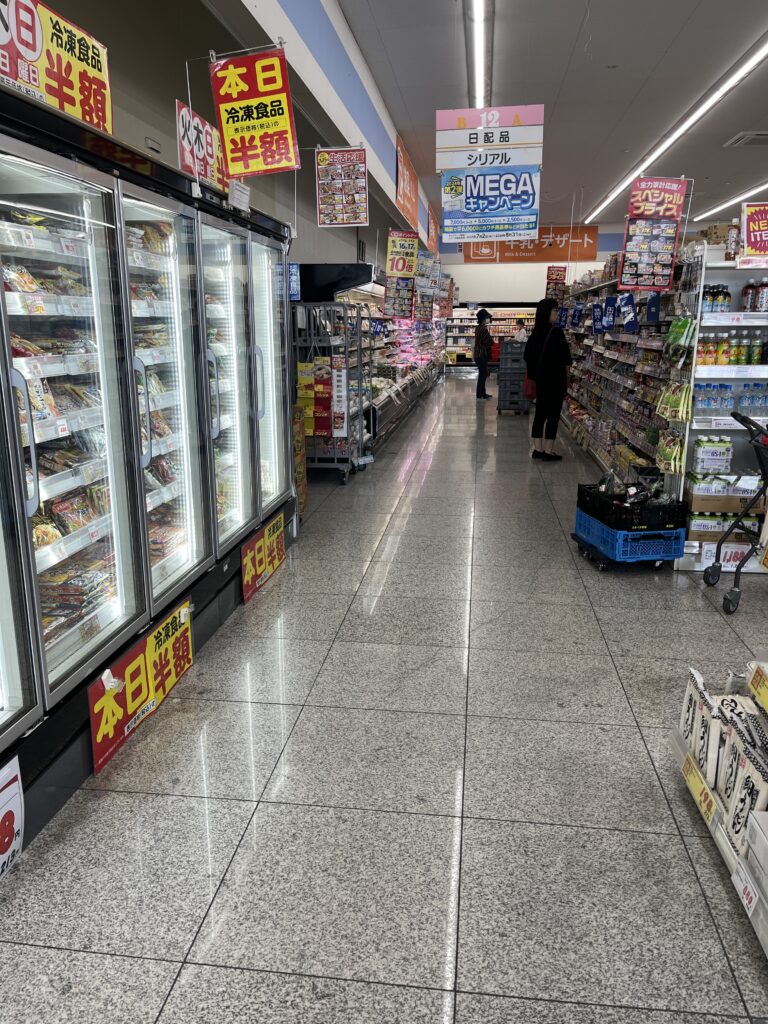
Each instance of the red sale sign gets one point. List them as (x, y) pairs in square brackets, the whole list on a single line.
[(754, 235)]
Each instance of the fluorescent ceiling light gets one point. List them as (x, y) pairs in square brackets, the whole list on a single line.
[(733, 79), (478, 28), (732, 202), (478, 53)]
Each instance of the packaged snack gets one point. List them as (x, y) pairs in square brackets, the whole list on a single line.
[(44, 531), (72, 512), (18, 279), (41, 400)]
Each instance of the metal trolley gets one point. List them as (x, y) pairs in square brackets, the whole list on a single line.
[(333, 331), (758, 440)]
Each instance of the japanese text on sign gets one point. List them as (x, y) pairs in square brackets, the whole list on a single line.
[(262, 555), (342, 187), (657, 197), (407, 194), (200, 151), (402, 253), (699, 789), (433, 229), (554, 241), (483, 204), (50, 59), (11, 815), (138, 683), (650, 236), (255, 114)]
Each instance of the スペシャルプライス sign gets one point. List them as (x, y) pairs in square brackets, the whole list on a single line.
[(255, 114), (654, 209)]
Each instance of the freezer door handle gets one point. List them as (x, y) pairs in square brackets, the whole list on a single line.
[(215, 430), (146, 456), (260, 410), (31, 504)]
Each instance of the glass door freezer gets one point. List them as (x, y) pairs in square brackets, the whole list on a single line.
[(269, 306), (161, 267), (224, 268), (64, 338)]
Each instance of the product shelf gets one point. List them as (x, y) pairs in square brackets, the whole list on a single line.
[(38, 243), (142, 309), (166, 567), (139, 259), (52, 554), (734, 319), (43, 304), (64, 646), (61, 483), (155, 356), (163, 495)]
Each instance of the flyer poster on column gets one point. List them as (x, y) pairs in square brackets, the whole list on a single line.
[(342, 187)]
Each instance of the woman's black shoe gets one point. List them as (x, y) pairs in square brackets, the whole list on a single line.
[(551, 457)]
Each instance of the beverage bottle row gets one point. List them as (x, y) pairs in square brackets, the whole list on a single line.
[(718, 298), (736, 347), (722, 399)]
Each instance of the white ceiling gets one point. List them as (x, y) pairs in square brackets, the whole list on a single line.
[(598, 121)]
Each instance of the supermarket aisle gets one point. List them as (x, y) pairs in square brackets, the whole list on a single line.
[(433, 756)]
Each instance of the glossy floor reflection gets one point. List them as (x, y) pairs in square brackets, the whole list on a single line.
[(424, 777)]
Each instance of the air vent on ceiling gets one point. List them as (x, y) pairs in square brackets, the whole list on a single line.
[(744, 139)]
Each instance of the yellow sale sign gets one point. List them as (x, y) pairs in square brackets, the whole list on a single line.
[(402, 253), (50, 59)]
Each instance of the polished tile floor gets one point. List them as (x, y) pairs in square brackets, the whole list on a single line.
[(425, 776)]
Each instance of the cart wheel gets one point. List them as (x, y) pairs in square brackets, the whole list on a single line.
[(731, 601), (344, 478), (658, 564), (602, 566), (712, 574)]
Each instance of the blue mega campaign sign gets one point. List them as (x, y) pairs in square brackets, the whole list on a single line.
[(488, 204)]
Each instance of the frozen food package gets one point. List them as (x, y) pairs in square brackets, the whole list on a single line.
[(72, 512), (750, 794), (44, 531), (19, 279)]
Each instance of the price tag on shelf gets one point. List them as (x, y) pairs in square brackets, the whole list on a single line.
[(89, 629), (758, 685), (745, 887), (699, 789), (62, 428), (94, 533), (33, 369), (28, 239), (91, 472), (85, 364), (138, 259), (68, 247), (34, 304)]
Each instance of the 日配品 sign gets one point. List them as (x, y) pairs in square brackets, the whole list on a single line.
[(199, 146), (255, 114), (493, 137), (481, 205), (342, 187)]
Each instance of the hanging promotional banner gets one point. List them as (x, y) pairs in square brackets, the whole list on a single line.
[(433, 232), (650, 237), (493, 137), (402, 253), (576, 244), (754, 235), (424, 292), (50, 59), (556, 275), (407, 195), (597, 318), (294, 282), (199, 147), (262, 556), (341, 179), (480, 205), (137, 683), (577, 314), (255, 114), (11, 815), (339, 396), (609, 313)]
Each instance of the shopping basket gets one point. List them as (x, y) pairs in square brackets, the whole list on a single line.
[(758, 440), (604, 544)]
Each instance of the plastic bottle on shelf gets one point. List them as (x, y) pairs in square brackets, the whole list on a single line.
[(738, 351), (723, 350), (758, 400), (708, 299), (710, 351), (755, 348), (745, 400), (718, 298), (761, 306), (733, 239), (749, 296), (726, 399), (727, 298)]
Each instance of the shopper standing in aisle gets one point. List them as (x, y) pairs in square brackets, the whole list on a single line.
[(520, 333), (547, 358), (482, 350)]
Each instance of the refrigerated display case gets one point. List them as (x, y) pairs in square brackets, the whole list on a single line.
[(224, 259), (75, 430), (161, 270), (271, 349)]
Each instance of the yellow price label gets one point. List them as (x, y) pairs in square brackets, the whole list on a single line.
[(758, 686), (700, 791)]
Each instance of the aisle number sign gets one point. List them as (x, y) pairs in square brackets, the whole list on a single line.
[(137, 683), (255, 114), (754, 235), (262, 556), (402, 253), (50, 59), (199, 146), (493, 137)]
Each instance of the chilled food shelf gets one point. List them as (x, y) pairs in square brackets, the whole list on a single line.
[(43, 304), (52, 554), (164, 400), (723, 423), (31, 243), (35, 368), (163, 495), (81, 476), (164, 445), (62, 426), (167, 567), (745, 319)]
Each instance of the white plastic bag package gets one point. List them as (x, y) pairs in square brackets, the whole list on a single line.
[(738, 738), (750, 794), (707, 738), (694, 689)]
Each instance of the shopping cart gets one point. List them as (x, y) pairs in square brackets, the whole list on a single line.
[(758, 439)]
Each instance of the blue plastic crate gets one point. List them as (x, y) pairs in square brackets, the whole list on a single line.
[(630, 545)]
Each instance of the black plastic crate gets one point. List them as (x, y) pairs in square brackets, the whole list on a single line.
[(671, 516)]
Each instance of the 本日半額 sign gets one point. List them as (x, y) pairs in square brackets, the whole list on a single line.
[(754, 235), (255, 114), (50, 59), (650, 237), (262, 556), (138, 682), (11, 815), (493, 137), (485, 204), (342, 187), (577, 244), (199, 144), (407, 195)]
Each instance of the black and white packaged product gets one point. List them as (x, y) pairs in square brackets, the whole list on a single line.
[(738, 738), (750, 794), (693, 691), (707, 738)]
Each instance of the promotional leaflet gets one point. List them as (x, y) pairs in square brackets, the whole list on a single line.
[(341, 179), (339, 396), (489, 204), (137, 683), (754, 235), (650, 236), (554, 242), (577, 314), (262, 556), (597, 318), (609, 313), (407, 195), (254, 113), (562, 317), (628, 313), (556, 274), (402, 256), (199, 148), (424, 292), (50, 59), (11, 815), (492, 137)]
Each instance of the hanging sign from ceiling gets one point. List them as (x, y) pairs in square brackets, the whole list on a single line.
[(754, 235), (342, 187), (480, 205), (49, 58), (199, 144), (650, 236), (402, 258), (554, 242), (433, 232), (493, 137), (255, 114), (407, 195)]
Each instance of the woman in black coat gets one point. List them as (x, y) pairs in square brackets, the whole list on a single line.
[(547, 358)]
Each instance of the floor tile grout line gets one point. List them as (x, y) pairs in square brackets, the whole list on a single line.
[(89, 952)]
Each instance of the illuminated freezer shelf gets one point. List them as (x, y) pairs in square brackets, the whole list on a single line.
[(61, 483), (68, 546), (43, 304)]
